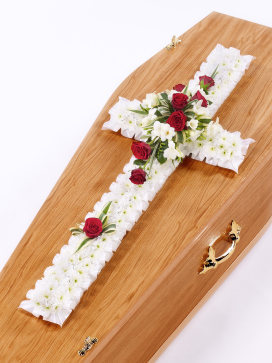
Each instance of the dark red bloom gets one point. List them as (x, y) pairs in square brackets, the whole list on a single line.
[(93, 227), (207, 81), (198, 96), (141, 150), (138, 176), (179, 101), (179, 87), (177, 120)]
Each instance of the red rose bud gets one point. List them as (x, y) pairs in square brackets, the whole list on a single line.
[(93, 227), (179, 87), (177, 120), (141, 150), (138, 176), (198, 96), (207, 81), (179, 101)]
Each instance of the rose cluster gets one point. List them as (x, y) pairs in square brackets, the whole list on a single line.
[(167, 125)]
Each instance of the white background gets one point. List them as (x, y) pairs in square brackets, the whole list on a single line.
[(59, 63)]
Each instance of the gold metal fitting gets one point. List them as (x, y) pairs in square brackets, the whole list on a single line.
[(174, 42), (88, 343), (212, 261)]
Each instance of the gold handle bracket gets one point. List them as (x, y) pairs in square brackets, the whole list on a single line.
[(212, 261), (88, 344)]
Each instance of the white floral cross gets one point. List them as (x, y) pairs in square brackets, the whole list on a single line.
[(80, 261)]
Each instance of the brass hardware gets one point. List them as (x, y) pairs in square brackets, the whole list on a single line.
[(212, 261), (174, 42), (88, 343)]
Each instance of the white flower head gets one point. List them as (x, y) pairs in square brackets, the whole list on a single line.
[(171, 152), (194, 134), (199, 110), (163, 131), (151, 100), (147, 120), (214, 128), (193, 123)]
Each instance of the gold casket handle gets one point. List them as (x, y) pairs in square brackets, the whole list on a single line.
[(212, 261)]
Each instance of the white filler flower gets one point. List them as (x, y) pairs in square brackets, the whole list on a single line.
[(151, 100), (163, 131), (193, 123), (171, 152)]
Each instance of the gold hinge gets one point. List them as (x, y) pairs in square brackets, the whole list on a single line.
[(88, 343), (174, 42)]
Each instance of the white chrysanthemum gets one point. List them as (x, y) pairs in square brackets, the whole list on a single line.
[(123, 118)]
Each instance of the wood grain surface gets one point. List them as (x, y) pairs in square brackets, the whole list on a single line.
[(151, 284)]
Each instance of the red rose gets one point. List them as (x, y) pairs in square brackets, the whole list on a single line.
[(177, 120), (198, 96), (93, 227), (141, 150), (179, 101), (138, 176), (208, 81), (179, 87)]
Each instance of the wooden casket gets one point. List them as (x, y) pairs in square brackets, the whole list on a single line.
[(152, 283)]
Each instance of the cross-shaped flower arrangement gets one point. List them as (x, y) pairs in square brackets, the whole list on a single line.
[(170, 125)]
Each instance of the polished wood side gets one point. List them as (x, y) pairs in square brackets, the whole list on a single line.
[(151, 284)]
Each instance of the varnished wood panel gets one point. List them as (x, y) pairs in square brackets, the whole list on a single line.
[(151, 283)]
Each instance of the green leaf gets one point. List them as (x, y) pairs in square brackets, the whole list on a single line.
[(157, 113), (205, 120), (161, 159), (144, 109), (140, 112), (165, 96), (107, 207), (159, 155), (189, 105), (104, 220), (83, 243), (105, 211), (110, 231), (162, 118), (180, 137), (76, 231), (139, 162), (109, 227), (184, 135), (214, 73), (190, 113), (204, 86), (167, 105)]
